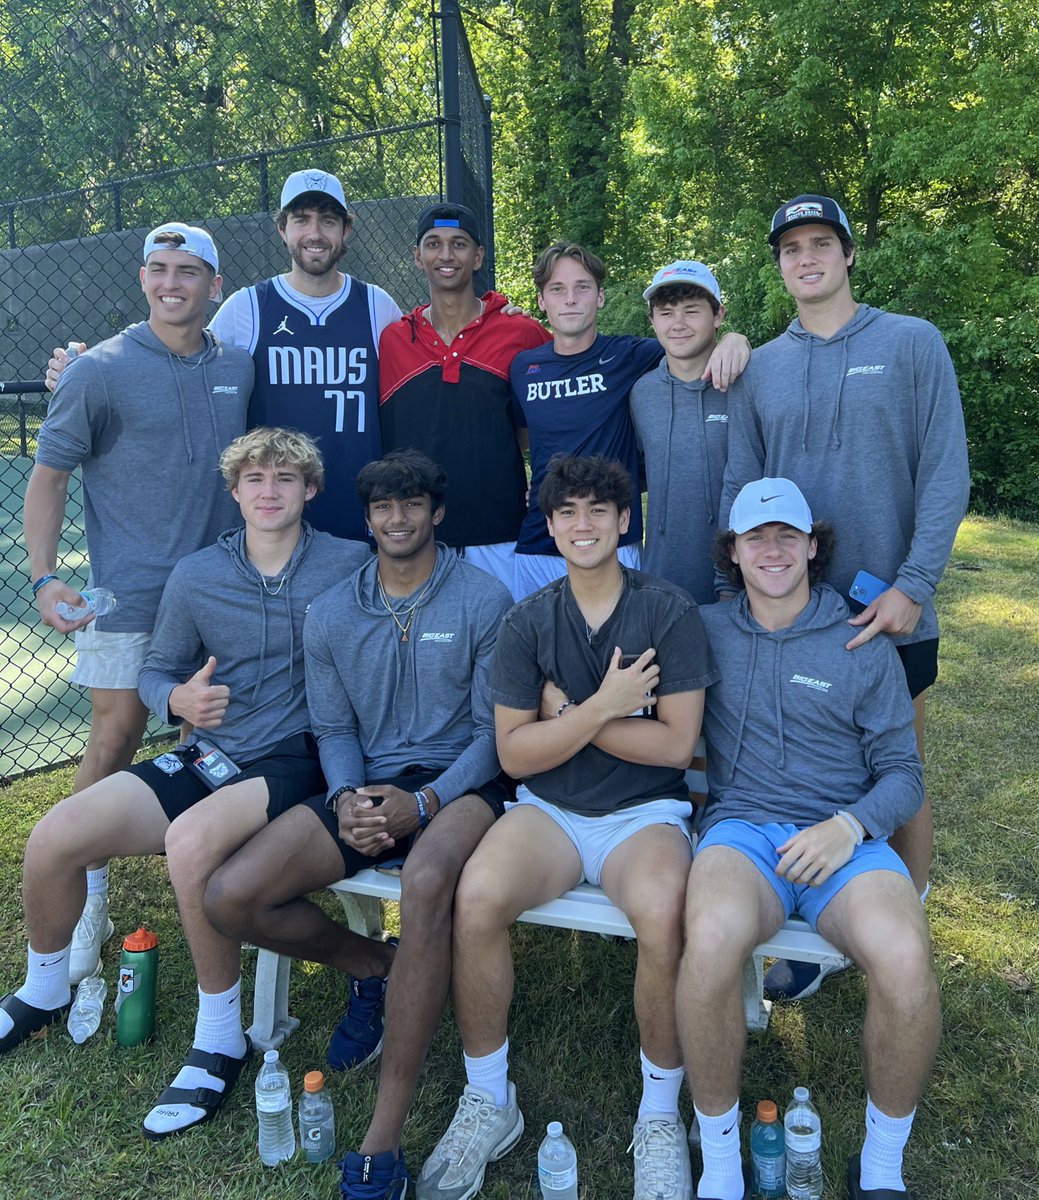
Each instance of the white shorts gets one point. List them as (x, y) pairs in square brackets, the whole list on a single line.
[(595, 838), (535, 571), (497, 560), (109, 660)]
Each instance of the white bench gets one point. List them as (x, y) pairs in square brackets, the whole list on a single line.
[(585, 907)]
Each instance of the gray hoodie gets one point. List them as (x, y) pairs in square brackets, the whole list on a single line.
[(798, 727), (379, 704), (868, 424), (683, 430), (147, 426), (216, 603)]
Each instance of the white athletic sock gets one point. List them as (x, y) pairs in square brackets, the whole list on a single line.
[(926, 892), (218, 1030), (218, 1027), (722, 1175), (46, 984), (881, 1160), (47, 979), (97, 882), (490, 1073), (660, 1088)]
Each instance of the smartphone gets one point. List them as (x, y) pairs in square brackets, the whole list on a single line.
[(865, 588), (629, 660), (210, 764)]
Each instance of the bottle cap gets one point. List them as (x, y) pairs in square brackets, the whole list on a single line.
[(270, 1056), (555, 1129), (801, 1094), (142, 939), (313, 1081), (767, 1111)]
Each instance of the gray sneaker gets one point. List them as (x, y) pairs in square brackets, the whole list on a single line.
[(662, 1170), (479, 1133), (92, 930)]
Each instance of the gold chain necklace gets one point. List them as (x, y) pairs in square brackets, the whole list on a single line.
[(408, 612)]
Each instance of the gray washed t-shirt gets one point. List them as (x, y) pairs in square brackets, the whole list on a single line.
[(546, 637)]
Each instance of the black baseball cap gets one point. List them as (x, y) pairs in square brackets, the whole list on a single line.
[(448, 216), (808, 210)]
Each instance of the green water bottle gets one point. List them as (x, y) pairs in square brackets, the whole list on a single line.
[(135, 999)]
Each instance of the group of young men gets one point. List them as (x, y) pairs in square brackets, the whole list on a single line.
[(345, 709)]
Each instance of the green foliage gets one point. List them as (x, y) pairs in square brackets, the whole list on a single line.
[(921, 118)]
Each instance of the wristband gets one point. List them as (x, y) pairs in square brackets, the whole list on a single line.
[(853, 824), (564, 706), (41, 581), (333, 801), (423, 812)]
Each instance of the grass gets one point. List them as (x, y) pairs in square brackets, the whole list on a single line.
[(69, 1115)]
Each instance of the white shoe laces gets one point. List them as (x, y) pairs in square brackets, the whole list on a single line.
[(658, 1158)]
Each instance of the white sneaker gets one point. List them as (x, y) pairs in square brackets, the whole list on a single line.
[(93, 929), (479, 1133), (662, 1170)]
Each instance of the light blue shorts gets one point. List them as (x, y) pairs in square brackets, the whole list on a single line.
[(498, 559), (760, 843), (595, 838), (535, 571)]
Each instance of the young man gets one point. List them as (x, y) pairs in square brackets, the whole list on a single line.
[(163, 382), (598, 687), (861, 407), (226, 655), (314, 335), (444, 382), (572, 395), (681, 421), (397, 680), (811, 764)]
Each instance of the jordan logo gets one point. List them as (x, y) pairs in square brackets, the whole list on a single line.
[(284, 326)]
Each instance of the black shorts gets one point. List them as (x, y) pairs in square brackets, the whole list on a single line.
[(494, 793), (920, 663), (292, 772)]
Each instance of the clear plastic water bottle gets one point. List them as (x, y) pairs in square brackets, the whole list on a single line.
[(768, 1152), (85, 1014), (317, 1119), (99, 601), (804, 1138), (557, 1165), (274, 1111)]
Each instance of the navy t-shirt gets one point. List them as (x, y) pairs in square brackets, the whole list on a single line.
[(546, 637), (578, 404)]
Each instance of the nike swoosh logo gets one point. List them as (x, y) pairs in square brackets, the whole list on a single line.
[(60, 958), (604, 361), (766, 499), (726, 1132)]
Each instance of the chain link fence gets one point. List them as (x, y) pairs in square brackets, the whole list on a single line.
[(116, 116)]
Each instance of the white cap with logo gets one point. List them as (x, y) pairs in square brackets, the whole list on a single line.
[(312, 180), (685, 270), (770, 500)]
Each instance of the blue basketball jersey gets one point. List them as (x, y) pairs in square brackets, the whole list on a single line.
[(578, 404), (319, 373)]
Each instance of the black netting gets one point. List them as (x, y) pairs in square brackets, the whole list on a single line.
[(115, 117)]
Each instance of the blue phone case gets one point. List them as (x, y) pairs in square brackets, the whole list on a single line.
[(865, 588)]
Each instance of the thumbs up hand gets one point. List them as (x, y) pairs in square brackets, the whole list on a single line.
[(201, 701)]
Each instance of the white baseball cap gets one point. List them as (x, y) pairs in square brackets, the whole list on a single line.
[(685, 270), (768, 500), (196, 241), (313, 180)]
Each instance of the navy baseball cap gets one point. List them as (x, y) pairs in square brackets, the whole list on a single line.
[(808, 210), (448, 216)]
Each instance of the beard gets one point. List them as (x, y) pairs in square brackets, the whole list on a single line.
[(320, 262)]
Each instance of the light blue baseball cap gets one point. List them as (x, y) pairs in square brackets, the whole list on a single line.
[(196, 241), (313, 180)]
